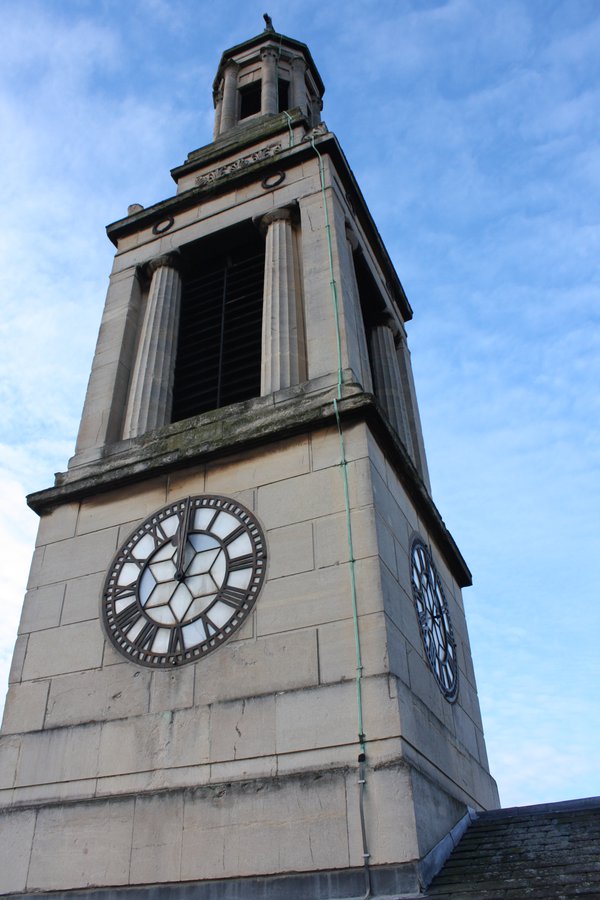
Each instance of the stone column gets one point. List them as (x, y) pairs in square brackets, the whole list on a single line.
[(283, 343), (412, 408), (151, 390), (268, 98), (388, 384), (218, 110), (229, 107), (299, 94), (365, 374)]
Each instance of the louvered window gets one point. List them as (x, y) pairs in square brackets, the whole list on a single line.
[(219, 349)]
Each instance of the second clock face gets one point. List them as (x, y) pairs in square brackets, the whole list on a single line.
[(434, 620), (184, 581)]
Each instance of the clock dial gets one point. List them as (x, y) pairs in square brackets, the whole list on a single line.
[(434, 620), (184, 581)]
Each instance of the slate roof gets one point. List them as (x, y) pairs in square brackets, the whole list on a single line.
[(541, 852)]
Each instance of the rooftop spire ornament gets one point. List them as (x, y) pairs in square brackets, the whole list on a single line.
[(268, 22)]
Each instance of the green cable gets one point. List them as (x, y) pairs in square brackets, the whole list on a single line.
[(289, 118), (343, 462)]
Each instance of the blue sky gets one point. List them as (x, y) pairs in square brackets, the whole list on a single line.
[(472, 127)]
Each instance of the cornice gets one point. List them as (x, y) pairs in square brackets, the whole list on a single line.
[(242, 426)]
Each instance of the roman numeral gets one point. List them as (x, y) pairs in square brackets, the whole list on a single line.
[(145, 639), (241, 562), (176, 643), (209, 626), (127, 618), (233, 596), (236, 533)]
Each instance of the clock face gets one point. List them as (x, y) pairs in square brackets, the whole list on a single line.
[(434, 620), (184, 581)]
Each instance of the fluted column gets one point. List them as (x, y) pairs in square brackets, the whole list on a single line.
[(218, 111), (151, 391), (229, 106), (268, 98), (283, 343), (361, 337), (412, 408), (388, 384), (299, 93)]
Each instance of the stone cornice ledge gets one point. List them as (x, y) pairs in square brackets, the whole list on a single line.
[(240, 426)]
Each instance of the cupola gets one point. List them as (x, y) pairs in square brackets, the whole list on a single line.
[(266, 75)]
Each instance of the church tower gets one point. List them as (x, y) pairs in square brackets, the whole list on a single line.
[(243, 667)]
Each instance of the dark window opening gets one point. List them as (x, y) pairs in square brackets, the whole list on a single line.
[(219, 349), (250, 99), (283, 95)]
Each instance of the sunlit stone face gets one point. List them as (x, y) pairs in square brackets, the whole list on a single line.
[(184, 581)]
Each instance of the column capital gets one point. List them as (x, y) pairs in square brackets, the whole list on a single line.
[(351, 238), (165, 260), (268, 53), (282, 214)]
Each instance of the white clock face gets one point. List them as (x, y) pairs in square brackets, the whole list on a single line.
[(434, 620), (184, 581)]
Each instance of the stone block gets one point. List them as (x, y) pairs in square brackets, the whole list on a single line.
[(279, 662), (131, 504), (387, 506), (69, 648), (172, 690), (81, 845), (33, 579), (243, 769), (398, 492), (61, 754), (290, 550), (25, 707), (82, 598), (18, 659), (16, 836), (58, 524), (312, 598), (159, 741), (157, 838), (331, 537), (42, 608), (188, 483), (242, 728), (81, 555), (465, 731), (100, 694), (400, 608), (327, 716), (9, 756), (423, 684), (326, 450), (316, 494), (337, 648), (255, 828), (272, 463), (389, 816), (56, 792), (397, 650)]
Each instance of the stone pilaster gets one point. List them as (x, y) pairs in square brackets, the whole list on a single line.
[(151, 390), (365, 374), (283, 342), (269, 101), (229, 108), (388, 384), (299, 94), (218, 111), (412, 408)]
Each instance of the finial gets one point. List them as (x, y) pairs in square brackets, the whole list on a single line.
[(268, 21)]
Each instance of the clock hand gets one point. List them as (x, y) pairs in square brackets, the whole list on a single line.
[(182, 536)]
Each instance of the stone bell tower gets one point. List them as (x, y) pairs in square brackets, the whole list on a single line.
[(243, 666)]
